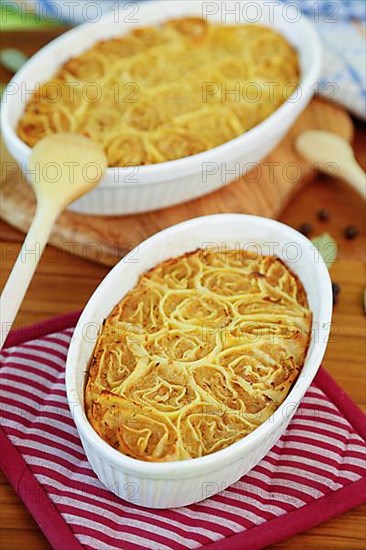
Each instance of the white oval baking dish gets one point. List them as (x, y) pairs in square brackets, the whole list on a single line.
[(172, 484), (133, 190)]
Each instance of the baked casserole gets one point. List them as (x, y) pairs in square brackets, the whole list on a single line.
[(166, 92), (197, 355)]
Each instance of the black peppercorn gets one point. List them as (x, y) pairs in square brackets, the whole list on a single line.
[(350, 232), (323, 215), (306, 229), (336, 292)]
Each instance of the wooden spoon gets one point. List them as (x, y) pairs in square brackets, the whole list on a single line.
[(61, 169), (333, 155)]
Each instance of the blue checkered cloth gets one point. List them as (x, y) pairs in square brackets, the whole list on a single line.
[(342, 28), (345, 10)]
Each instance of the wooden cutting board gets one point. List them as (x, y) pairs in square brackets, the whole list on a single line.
[(265, 191)]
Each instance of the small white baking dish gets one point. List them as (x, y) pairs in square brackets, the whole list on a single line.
[(133, 190), (172, 484)]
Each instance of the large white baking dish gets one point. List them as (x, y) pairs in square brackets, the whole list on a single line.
[(172, 484), (131, 190)]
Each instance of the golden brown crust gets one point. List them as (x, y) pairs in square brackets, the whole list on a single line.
[(167, 92), (198, 354)]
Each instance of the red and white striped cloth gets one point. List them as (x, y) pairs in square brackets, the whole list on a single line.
[(313, 473)]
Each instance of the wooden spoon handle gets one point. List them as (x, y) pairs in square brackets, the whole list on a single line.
[(353, 174), (23, 270)]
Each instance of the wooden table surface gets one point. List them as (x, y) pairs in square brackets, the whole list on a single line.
[(64, 283)]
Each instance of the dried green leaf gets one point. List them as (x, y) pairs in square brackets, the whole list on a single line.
[(12, 59), (327, 247)]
